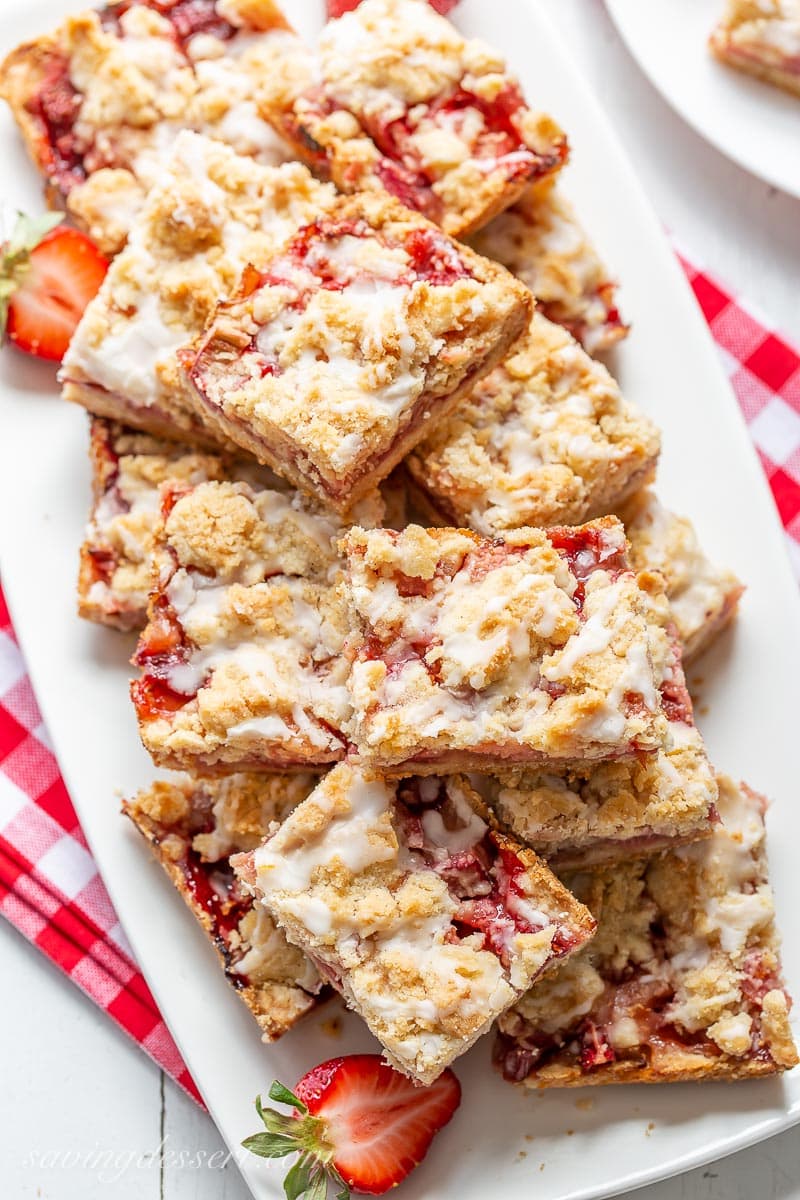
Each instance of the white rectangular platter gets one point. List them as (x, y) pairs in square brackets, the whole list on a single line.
[(626, 1136)]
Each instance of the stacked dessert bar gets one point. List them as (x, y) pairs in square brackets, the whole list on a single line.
[(412, 619)]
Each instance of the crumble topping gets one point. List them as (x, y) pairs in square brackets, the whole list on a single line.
[(212, 213), (545, 439), (193, 826), (541, 241), (349, 341), (398, 99), (425, 917), (703, 598), (534, 648), (682, 980)]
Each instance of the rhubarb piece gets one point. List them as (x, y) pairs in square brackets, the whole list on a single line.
[(473, 654), (409, 901), (683, 980), (761, 37), (545, 439), (541, 241), (397, 99), (193, 826), (703, 597), (366, 327), (211, 213), (242, 658), (101, 99)]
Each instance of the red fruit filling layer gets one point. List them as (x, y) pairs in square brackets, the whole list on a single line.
[(56, 106), (635, 996), (498, 146), (187, 17), (483, 879)]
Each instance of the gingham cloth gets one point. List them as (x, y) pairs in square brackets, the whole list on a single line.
[(49, 885)]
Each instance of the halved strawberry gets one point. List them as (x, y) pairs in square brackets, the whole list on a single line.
[(337, 8), (48, 274), (357, 1123)]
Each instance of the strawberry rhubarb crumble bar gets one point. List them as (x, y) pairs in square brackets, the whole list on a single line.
[(410, 902), (683, 980), (542, 242), (367, 326), (471, 654), (545, 439), (193, 826), (100, 100), (242, 659), (396, 98), (703, 597), (211, 213), (761, 37)]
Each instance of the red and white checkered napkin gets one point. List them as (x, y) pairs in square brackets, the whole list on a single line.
[(49, 886)]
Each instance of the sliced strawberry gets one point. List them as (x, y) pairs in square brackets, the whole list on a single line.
[(337, 8), (357, 1122), (47, 277)]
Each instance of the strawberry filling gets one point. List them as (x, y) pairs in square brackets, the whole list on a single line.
[(56, 105), (187, 18), (154, 699), (587, 550), (104, 564), (488, 129), (211, 886), (484, 879)]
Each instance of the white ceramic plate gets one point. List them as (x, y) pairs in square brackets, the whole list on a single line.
[(502, 1141), (755, 124)]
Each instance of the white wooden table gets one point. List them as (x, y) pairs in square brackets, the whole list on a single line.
[(84, 1113)]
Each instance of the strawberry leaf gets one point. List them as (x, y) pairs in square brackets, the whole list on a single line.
[(28, 232), (270, 1145), (297, 1178), (282, 1094), (318, 1186)]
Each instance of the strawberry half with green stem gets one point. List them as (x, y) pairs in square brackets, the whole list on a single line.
[(48, 274), (357, 1123)]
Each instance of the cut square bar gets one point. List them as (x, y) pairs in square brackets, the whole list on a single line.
[(545, 439), (365, 328), (761, 37), (407, 899), (396, 98), (242, 659), (683, 980), (129, 469)]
